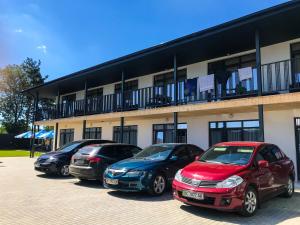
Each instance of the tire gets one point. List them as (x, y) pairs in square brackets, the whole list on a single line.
[(64, 171), (250, 203), (158, 185), (289, 189)]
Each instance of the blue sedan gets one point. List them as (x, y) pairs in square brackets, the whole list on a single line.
[(152, 169)]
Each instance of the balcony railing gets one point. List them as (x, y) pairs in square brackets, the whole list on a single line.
[(277, 77)]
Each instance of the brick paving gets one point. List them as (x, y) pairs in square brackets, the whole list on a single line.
[(28, 197)]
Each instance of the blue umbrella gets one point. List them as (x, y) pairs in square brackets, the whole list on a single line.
[(47, 135), (39, 133), (27, 134)]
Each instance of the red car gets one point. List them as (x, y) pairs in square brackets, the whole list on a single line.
[(236, 176)]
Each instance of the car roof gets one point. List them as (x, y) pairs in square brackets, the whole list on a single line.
[(110, 144), (241, 143)]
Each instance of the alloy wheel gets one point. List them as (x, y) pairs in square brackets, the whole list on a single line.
[(159, 184), (290, 187), (65, 170), (250, 202)]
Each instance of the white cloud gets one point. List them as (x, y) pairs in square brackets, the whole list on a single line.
[(43, 48), (19, 30)]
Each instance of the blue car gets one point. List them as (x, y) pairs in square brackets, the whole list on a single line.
[(152, 169)]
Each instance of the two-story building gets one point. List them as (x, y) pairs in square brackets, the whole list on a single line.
[(238, 81)]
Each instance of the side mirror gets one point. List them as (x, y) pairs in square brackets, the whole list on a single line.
[(174, 158), (263, 164), (197, 157)]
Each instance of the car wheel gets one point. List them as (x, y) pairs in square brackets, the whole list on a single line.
[(289, 189), (64, 170), (158, 185), (250, 204)]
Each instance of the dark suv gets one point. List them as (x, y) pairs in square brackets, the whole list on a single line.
[(90, 162), (57, 162)]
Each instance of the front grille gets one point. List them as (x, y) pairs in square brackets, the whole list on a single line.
[(199, 183), (205, 201)]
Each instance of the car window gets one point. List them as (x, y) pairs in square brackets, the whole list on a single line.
[(194, 150), (123, 152), (276, 151), (108, 151), (266, 154), (134, 150), (183, 153)]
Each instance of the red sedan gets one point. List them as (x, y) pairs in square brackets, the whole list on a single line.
[(236, 176)]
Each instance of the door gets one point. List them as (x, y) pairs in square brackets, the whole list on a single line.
[(297, 140), (264, 176), (183, 156)]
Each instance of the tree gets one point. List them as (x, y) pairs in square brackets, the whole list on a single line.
[(15, 107)]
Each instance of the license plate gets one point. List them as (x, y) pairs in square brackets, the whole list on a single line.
[(111, 181), (79, 161), (195, 195)]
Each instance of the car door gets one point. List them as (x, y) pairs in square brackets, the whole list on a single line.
[(265, 176), (180, 157)]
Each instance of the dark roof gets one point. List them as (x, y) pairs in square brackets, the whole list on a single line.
[(276, 24)]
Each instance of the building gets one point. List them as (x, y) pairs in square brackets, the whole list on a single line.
[(236, 81)]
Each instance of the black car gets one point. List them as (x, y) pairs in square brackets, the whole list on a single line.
[(90, 162), (58, 162), (152, 170)]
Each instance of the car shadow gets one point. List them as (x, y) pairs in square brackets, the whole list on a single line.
[(274, 211), (141, 196), (54, 176), (89, 184)]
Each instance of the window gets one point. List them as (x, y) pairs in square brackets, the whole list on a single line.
[(266, 154), (163, 133), (183, 153), (94, 93), (276, 151), (68, 98), (295, 55), (66, 136), (247, 130), (128, 86), (93, 133), (168, 78), (129, 134)]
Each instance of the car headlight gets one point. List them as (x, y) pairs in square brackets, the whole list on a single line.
[(135, 173), (51, 159), (230, 182), (178, 176)]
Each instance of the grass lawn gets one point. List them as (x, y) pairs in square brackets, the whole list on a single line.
[(16, 153)]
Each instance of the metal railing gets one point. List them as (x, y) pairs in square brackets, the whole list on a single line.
[(277, 77)]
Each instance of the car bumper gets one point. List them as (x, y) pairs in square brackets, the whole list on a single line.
[(134, 184), (225, 199), (84, 172), (46, 167)]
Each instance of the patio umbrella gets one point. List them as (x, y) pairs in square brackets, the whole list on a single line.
[(47, 135), (27, 134), (39, 133)]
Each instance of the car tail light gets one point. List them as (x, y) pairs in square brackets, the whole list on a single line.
[(94, 159)]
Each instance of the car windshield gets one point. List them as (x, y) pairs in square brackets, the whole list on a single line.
[(69, 147), (155, 152), (238, 155)]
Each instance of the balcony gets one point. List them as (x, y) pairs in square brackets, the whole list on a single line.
[(277, 77)]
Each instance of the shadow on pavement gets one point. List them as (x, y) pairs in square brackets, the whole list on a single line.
[(53, 176), (141, 196), (274, 211), (89, 184)]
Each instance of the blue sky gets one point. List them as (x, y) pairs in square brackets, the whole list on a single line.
[(70, 35)]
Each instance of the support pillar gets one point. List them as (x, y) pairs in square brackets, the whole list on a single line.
[(175, 80), (85, 97), (122, 90), (261, 122), (175, 116), (258, 62), (122, 130), (83, 129), (56, 136)]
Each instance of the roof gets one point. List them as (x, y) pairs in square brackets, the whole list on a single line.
[(276, 24), (241, 143)]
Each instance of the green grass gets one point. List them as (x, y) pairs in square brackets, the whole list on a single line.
[(17, 153)]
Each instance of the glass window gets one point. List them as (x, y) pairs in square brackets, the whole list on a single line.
[(266, 154), (94, 93), (156, 152), (129, 134), (93, 133), (163, 133), (247, 130), (66, 136)]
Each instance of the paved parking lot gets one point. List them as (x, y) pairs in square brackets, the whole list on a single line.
[(28, 197)]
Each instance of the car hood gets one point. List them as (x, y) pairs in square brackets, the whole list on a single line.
[(210, 171), (134, 163)]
